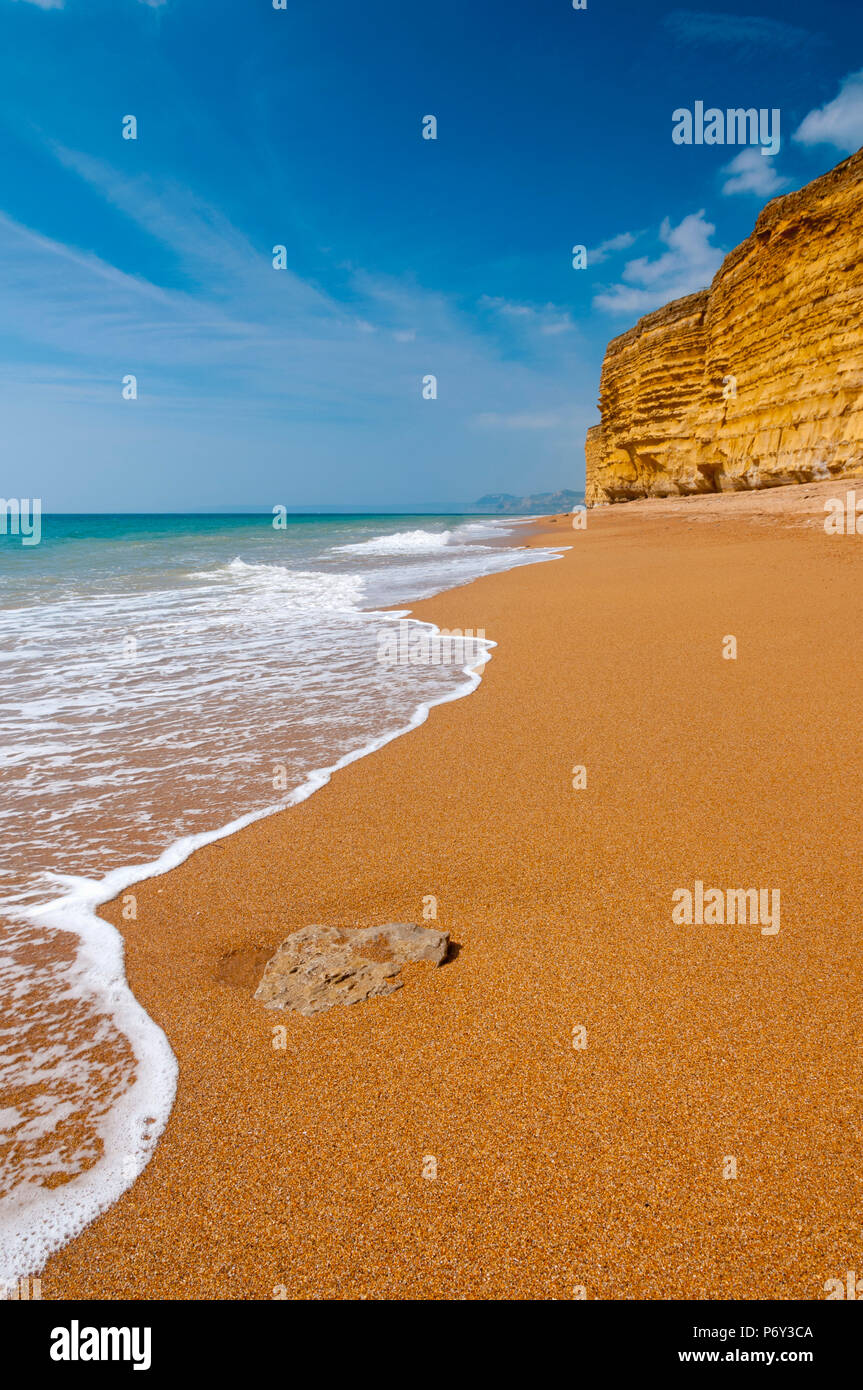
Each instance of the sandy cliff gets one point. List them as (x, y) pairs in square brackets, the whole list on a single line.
[(756, 381)]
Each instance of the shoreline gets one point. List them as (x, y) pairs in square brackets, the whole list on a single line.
[(101, 954), (302, 1169)]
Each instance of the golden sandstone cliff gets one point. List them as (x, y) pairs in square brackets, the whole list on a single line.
[(756, 381)]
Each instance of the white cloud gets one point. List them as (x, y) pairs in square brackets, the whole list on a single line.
[(247, 352), (840, 122), (621, 242), (689, 264), (507, 307), (545, 318), (560, 325), (752, 172), (743, 32), (59, 4)]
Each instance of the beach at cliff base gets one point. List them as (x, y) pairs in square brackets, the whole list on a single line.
[(586, 1098)]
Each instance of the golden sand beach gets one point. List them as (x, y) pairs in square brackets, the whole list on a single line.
[(603, 1168)]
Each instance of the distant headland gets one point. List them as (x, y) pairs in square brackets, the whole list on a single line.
[(537, 504)]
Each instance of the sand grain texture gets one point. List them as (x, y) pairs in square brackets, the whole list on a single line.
[(557, 1166)]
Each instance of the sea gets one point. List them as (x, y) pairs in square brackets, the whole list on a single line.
[(165, 680)]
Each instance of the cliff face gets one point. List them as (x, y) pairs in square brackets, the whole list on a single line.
[(755, 382)]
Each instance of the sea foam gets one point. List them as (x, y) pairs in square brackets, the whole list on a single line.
[(117, 769)]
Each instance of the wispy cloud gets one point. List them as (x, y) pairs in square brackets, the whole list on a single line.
[(523, 420), (60, 4), (621, 242), (544, 318), (689, 263), (840, 121), (300, 367), (747, 33), (750, 172)]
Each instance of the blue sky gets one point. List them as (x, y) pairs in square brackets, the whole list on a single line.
[(303, 127)]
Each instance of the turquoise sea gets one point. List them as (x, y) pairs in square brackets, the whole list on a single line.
[(166, 679)]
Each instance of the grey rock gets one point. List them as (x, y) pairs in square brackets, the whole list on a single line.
[(317, 967)]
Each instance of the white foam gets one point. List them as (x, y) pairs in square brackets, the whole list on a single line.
[(402, 543), (301, 589), (221, 657), (484, 530), (38, 1220)]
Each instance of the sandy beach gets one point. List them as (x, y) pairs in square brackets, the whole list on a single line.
[(298, 1172)]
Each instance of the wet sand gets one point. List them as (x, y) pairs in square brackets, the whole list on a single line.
[(300, 1171)]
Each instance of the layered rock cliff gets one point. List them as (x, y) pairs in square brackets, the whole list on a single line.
[(756, 381)]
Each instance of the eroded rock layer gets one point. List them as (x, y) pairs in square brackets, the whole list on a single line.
[(756, 381)]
